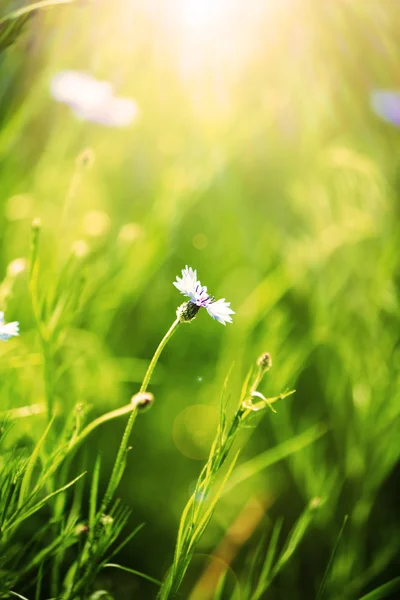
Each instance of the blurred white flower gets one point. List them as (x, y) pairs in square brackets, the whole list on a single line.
[(80, 249), (8, 330), (17, 266), (92, 100), (386, 104)]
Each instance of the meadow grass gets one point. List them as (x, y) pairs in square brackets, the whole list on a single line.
[(258, 161)]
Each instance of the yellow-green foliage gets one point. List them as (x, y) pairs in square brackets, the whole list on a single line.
[(257, 159)]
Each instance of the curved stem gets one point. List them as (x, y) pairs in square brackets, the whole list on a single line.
[(157, 353), (113, 414)]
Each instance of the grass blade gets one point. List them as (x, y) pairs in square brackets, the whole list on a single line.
[(384, 591), (134, 572), (331, 559)]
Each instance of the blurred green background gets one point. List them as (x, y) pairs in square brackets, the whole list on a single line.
[(256, 159)]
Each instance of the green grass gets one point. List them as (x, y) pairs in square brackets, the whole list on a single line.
[(258, 161)]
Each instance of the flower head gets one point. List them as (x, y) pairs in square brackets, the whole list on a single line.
[(8, 330), (386, 104), (92, 100), (191, 287)]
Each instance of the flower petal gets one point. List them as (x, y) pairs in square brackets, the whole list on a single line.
[(80, 90), (188, 283), (9, 330), (92, 100), (220, 311), (386, 104)]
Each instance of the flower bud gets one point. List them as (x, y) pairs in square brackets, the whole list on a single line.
[(187, 311), (142, 401), (264, 362), (81, 529), (36, 223), (106, 520)]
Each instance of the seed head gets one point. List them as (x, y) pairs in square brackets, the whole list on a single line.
[(187, 311), (265, 361), (142, 401)]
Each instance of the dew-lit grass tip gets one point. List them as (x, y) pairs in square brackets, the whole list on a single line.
[(36, 224), (142, 401)]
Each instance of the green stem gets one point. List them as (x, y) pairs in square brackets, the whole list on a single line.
[(113, 414), (119, 412), (157, 353)]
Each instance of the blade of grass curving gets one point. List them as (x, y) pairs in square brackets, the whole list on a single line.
[(224, 398), (17, 595), (383, 591), (124, 542), (26, 480), (94, 488), (8, 488), (209, 512), (38, 591), (331, 559), (133, 572), (219, 590), (50, 549), (14, 521), (183, 526), (246, 384), (20, 12), (11, 30), (274, 455), (84, 571), (294, 538), (263, 583), (119, 464), (252, 566)]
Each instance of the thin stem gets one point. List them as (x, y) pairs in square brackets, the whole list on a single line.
[(119, 412), (157, 353), (113, 414)]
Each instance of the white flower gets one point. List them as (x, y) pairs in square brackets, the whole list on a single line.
[(17, 266), (191, 287), (8, 330), (92, 100), (220, 311)]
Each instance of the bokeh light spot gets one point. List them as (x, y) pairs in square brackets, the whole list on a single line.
[(96, 223), (200, 241), (129, 233), (18, 207), (194, 429)]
